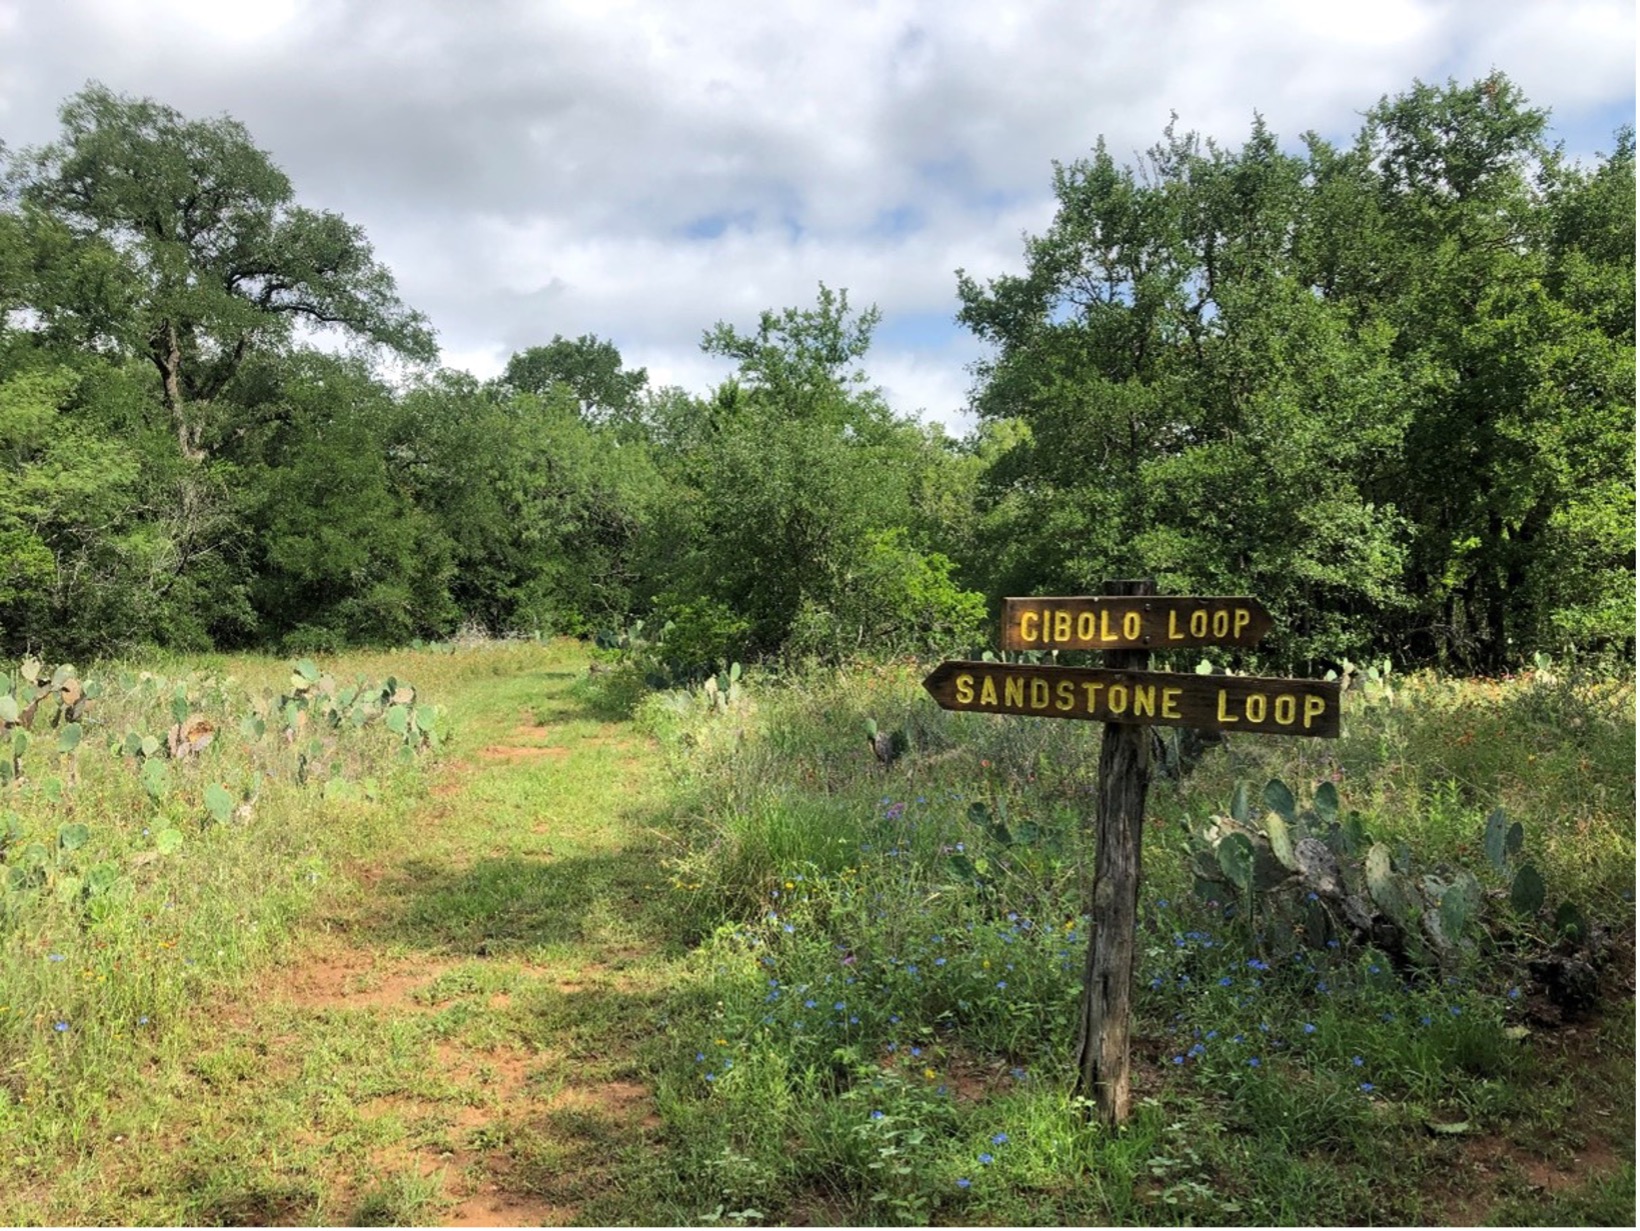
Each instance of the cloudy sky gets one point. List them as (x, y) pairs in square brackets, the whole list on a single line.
[(640, 170)]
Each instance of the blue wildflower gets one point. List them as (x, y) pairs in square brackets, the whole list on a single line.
[(964, 1182), (60, 1027), (986, 1160), (1001, 1139)]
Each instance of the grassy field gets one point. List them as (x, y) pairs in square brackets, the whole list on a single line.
[(717, 965)]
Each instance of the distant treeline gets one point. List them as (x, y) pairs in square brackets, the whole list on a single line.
[(1386, 388)]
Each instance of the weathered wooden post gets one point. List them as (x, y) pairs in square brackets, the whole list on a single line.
[(1113, 902), (1126, 623)]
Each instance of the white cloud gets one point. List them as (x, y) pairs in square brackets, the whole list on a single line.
[(642, 169)]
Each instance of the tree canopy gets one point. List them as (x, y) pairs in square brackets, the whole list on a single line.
[(1385, 385)]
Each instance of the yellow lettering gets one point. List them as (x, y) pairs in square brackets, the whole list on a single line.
[(1061, 626), (1198, 623), (1064, 695), (1221, 623), (1013, 690), (1244, 617), (1104, 626), (1286, 709), (1132, 625), (965, 688), (1085, 626), (1224, 715), (1170, 702), (1144, 700), (988, 691), (1257, 705), (1039, 693), (1173, 633), (1092, 693), (1117, 698), (1313, 707), (1028, 624)]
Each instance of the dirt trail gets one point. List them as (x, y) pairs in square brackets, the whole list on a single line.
[(477, 1002)]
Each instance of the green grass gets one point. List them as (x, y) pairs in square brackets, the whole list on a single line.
[(881, 947), (570, 969)]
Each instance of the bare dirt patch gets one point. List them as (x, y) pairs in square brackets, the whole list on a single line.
[(358, 979), (522, 752)]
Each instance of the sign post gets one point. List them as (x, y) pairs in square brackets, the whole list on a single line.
[(1127, 622)]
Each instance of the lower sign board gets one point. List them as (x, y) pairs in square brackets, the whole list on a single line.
[(1145, 698)]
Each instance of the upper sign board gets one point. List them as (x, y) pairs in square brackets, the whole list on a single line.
[(1150, 622)]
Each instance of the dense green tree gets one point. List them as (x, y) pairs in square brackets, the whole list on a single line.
[(590, 368), (802, 497), (180, 241), (1344, 380)]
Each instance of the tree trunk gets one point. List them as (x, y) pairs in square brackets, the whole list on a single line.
[(166, 353), (1107, 983)]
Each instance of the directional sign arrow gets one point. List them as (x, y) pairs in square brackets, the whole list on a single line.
[(1152, 622), (1144, 698)]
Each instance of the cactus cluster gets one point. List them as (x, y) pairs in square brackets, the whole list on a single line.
[(1311, 876), (33, 867), (316, 707), (34, 696), (724, 696)]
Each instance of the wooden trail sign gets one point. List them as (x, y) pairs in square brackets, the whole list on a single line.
[(1144, 622), (1145, 698), (1129, 620)]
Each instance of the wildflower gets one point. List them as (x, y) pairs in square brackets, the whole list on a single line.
[(929, 1074), (964, 1182), (1178, 1059), (700, 1057), (916, 1051), (54, 957), (1001, 1139), (1514, 993), (60, 1027), (1161, 903), (1309, 1027), (986, 1160), (1252, 1062), (711, 1077), (1454, 1010), (1367, 1087), (876, 1115), (939, 961), (1002, 985), (1225, 982)]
